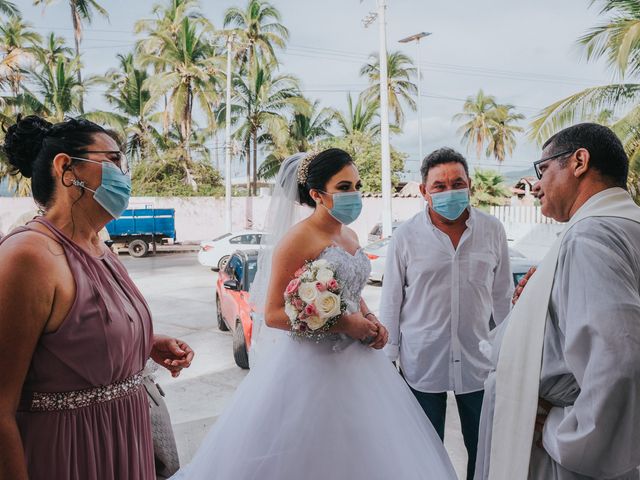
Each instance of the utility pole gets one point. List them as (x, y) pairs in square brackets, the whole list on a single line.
[(227, 143), (417, 38), (385, 150)]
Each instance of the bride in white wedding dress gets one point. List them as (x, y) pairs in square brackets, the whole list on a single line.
[(332, 407)]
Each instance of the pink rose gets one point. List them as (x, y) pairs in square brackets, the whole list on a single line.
[(292, 287), (332, 285), (310, 310), (298, 304), (321, 286), (300, 271)]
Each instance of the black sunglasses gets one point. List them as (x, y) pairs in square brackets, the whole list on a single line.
[(537, 163)]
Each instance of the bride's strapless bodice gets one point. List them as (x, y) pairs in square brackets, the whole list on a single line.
[(352, 272)]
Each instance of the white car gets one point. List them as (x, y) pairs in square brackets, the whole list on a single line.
[(215, 253), (377, 253)]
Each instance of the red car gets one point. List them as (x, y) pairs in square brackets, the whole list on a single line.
[(232, 302)]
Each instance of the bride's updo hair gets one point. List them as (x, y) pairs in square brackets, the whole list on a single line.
[(32, 143), (316, 172)]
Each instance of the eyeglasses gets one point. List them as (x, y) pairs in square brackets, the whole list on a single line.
[(537, 163), (121, 161)]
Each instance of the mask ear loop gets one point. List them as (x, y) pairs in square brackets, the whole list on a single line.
[(74, 182)]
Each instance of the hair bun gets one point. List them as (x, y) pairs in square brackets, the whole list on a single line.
[(23, 141)]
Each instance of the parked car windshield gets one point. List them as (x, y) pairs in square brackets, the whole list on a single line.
[(221, 237), (378, 245)]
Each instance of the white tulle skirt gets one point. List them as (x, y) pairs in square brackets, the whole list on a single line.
[(311, 413)]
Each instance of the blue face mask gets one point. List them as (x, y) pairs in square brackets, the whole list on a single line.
[(346, 206), (450, 204), (114, 191)]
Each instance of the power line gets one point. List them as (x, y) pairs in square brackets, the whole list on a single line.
[(359, 57)]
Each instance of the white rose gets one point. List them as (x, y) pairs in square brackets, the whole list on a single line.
[(324, 275), (307, 292), (322, 263), (314, 322), (328, 305), (291, 311)]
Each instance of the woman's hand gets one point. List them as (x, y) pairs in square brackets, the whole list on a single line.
[(358, 327), (521, 284), (382, 336), (171, 353)]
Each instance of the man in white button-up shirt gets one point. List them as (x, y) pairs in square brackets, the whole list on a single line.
[(447, 274)]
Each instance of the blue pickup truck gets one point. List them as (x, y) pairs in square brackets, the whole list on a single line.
[(140, 227)]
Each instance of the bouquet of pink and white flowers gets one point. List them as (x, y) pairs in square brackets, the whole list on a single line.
[(313, 300)]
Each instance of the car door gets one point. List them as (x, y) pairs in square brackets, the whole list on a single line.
[(228, 300)]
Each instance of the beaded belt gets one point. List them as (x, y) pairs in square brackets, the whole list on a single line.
[(55, 401)]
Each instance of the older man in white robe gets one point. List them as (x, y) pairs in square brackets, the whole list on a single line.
[(564, 399)]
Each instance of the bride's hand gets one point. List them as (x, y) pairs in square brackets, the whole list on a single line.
[(358, 327), (381, 338)]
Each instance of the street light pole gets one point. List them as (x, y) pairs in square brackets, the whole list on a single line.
[(384, 123), (419, 102), (417, 37), (227, 144)]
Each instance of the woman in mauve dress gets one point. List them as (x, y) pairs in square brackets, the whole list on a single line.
[(75, 332)]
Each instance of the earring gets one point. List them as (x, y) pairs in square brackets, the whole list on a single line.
[(78, 183)]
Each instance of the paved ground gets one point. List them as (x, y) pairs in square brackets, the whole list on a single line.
[(181, 295)]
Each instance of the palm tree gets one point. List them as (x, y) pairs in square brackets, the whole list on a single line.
[(401, 89), (192, 76), (168, 21), (618, 40), (259, 28), (58, 92), (9, 8), (305, 129), (17, 42), (263, 100), (476, 115), (126, 91), (53, 48), (487, 188), (359, 118), (81, 10), (503, 131)]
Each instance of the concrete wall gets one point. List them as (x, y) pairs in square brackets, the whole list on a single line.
[(202, 218)]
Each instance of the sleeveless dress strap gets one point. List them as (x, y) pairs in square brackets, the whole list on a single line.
[(77, 255), (22, 229)]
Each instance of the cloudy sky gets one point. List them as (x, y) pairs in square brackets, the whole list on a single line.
[(522, 52)]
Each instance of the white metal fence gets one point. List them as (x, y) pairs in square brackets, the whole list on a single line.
[(520, 214)]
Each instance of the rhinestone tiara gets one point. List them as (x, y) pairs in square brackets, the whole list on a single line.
[(303, 166)]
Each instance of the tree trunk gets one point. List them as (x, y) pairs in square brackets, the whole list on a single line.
[(255, 162), (77, 33), (186, 138), (216, 154), (165, 118), (247, 156)]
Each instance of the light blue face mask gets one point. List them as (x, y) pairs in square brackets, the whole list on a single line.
[(450, 204), (114, 191), (346, 206)]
